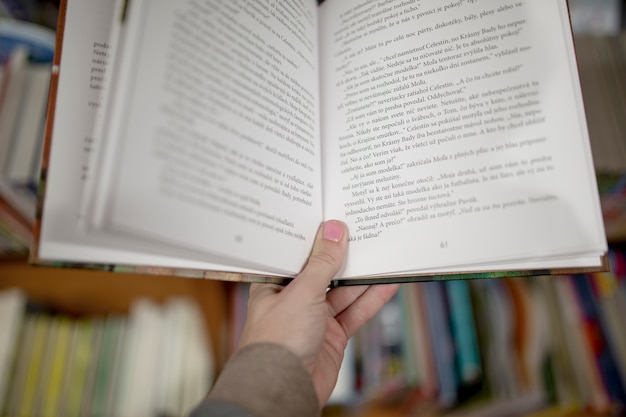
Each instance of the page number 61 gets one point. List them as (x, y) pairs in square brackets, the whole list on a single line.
[(443, 244)]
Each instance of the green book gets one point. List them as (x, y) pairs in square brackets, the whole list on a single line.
[(105, 367), (92, 366), (80, 355), (58, 368), (21, 367), (35, 364), (114, 386), (12, 305), (44, 379)]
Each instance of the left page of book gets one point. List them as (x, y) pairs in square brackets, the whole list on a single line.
[(214, 136), (83, 52)]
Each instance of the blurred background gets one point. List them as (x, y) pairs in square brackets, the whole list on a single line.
[(75, 342)]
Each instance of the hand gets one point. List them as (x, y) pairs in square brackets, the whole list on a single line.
[(312, 322)]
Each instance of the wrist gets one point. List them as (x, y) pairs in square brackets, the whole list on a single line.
[(267, 380)]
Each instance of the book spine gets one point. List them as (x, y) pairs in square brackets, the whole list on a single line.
[(43, 379), (409, 344), (12, 306), (442, 344), (587, 375), (464, 331), (48, 129), (429, 381), (597, 339), (611, 316), (82, 357), (92, 367), (60, 359), (21, 365), (567, 389)]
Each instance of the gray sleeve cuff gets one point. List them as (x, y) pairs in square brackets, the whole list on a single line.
[(266, 380), (218, 409)]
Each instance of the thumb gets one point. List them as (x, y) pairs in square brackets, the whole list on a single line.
[(327, 256)]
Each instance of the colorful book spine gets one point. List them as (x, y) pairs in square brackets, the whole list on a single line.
[(464, 331), (104, 372), (502, 367), (597, 340), (20, 369), (92, 367), (588, 377), (39, 341), (43, 377), (442, 343), (410, 346), (12, 308), (81, 360), (53, 365), (59, 364)]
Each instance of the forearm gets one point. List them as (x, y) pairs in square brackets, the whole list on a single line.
[(263, 380)]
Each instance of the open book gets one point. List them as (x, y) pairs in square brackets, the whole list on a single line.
[(208, 135)]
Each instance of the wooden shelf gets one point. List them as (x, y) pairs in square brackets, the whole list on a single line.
[(87, 292)]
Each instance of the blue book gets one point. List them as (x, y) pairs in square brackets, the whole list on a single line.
[(464, 331), (38, 41)]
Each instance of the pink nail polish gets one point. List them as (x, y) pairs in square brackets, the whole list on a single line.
[(333, 231)]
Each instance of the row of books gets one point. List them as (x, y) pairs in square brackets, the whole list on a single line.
[(602, 69), (597, 17), (155, 361), (42, 12), (494, 347), (515, 347), (26, 52)]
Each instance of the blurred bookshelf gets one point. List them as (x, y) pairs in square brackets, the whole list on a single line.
[(550, 346), (534, 347), (77, 342)]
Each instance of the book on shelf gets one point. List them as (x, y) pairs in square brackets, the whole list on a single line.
[(55, 364), (26, 51), (537, 346), (211, 139), (601, 63)]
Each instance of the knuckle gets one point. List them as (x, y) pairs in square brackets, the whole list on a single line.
[(323, 258)]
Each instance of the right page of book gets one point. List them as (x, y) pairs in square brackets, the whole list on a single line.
[(454, 136)]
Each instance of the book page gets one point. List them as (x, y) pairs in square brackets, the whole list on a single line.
[(81, 71), (218, 129), (86, 49), (454, 134)]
